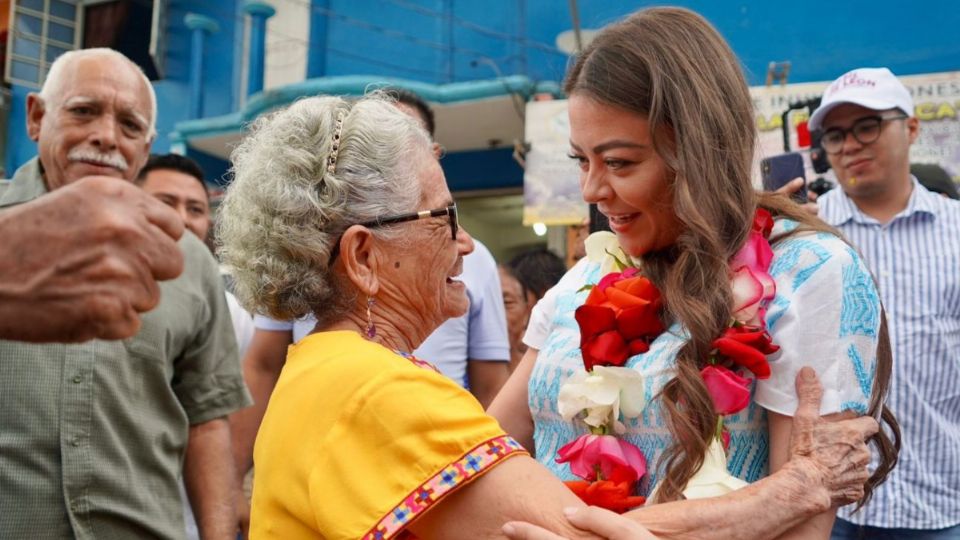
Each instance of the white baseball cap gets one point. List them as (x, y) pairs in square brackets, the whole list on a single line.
[(873, 88)]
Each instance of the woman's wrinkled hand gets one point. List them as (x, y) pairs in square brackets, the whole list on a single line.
[(829, 455), (601, 522)]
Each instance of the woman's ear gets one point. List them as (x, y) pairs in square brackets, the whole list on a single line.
[(360, 261)]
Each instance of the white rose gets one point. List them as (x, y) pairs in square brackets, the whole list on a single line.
[(599, 246), (713, 479), (604, 394)]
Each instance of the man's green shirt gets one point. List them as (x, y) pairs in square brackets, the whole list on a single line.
[(92, 436)]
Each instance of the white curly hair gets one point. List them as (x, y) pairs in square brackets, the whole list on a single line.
[(284, 212)]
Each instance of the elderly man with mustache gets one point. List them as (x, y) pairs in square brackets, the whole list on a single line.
[(95, 434)]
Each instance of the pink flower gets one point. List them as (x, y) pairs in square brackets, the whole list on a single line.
[(751, 284), (756, 254), (616, 460), (729, 391)]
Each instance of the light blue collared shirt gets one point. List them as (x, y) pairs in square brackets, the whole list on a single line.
[(916, 261)]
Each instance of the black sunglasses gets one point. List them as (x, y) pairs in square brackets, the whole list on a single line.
[(449, 211)]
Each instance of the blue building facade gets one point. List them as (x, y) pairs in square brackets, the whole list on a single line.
[(474, 60)]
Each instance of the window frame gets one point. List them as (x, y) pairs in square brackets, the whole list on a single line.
[(44, 40)]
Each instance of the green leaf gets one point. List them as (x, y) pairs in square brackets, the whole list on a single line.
[(586, 287), (621, 266)]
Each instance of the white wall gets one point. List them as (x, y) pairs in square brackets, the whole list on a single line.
[(288, 33)]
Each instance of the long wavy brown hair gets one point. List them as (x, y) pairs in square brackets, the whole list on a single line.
[(671, 66)]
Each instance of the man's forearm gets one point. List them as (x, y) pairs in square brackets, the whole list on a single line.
[(210, 480), (760, 511), (261, 368), (245, 423)]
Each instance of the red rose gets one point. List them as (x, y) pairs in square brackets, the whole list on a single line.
[(639, 322), (729, 391), (747, 346), (763, 222), (626, 305), (622, 292), (606, 494), (614, 277), (600, 344), (606, 349)]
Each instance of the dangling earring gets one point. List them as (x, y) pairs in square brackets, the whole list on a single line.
[(371, 329)]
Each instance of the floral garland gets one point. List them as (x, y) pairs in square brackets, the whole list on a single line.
[(621, 318)]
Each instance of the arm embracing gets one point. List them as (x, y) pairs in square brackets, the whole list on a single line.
[(510, 406), (824, 470), (519, 489)]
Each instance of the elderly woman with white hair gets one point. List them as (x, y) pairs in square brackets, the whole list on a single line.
[(340, 209)]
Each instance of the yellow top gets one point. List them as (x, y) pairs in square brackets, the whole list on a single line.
[(358, 441)]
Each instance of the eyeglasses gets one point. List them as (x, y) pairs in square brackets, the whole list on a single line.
[(450, 212), (865, 131)]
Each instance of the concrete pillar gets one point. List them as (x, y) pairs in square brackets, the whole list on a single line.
[(199, 26), (259, 12), (319, 28)]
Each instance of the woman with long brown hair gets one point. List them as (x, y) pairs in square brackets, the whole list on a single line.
[(662, 129)]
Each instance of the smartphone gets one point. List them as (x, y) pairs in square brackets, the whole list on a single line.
[(777, 171)]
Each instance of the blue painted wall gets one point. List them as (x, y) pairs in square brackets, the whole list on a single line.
[(221, 83), (422, 40), (19, 146), (440, 41)]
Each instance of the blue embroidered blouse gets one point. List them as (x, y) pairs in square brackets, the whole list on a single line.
[(826, 314)]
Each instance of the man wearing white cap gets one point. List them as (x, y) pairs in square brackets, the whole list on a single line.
[(909, 237)]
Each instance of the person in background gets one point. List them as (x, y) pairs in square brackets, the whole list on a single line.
[(580, 233), (935, 179), (472, 349), (178, 182), (524, 280), (908, 237), (97, 435)]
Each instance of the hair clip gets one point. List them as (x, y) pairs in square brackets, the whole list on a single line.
[(335, 145)]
